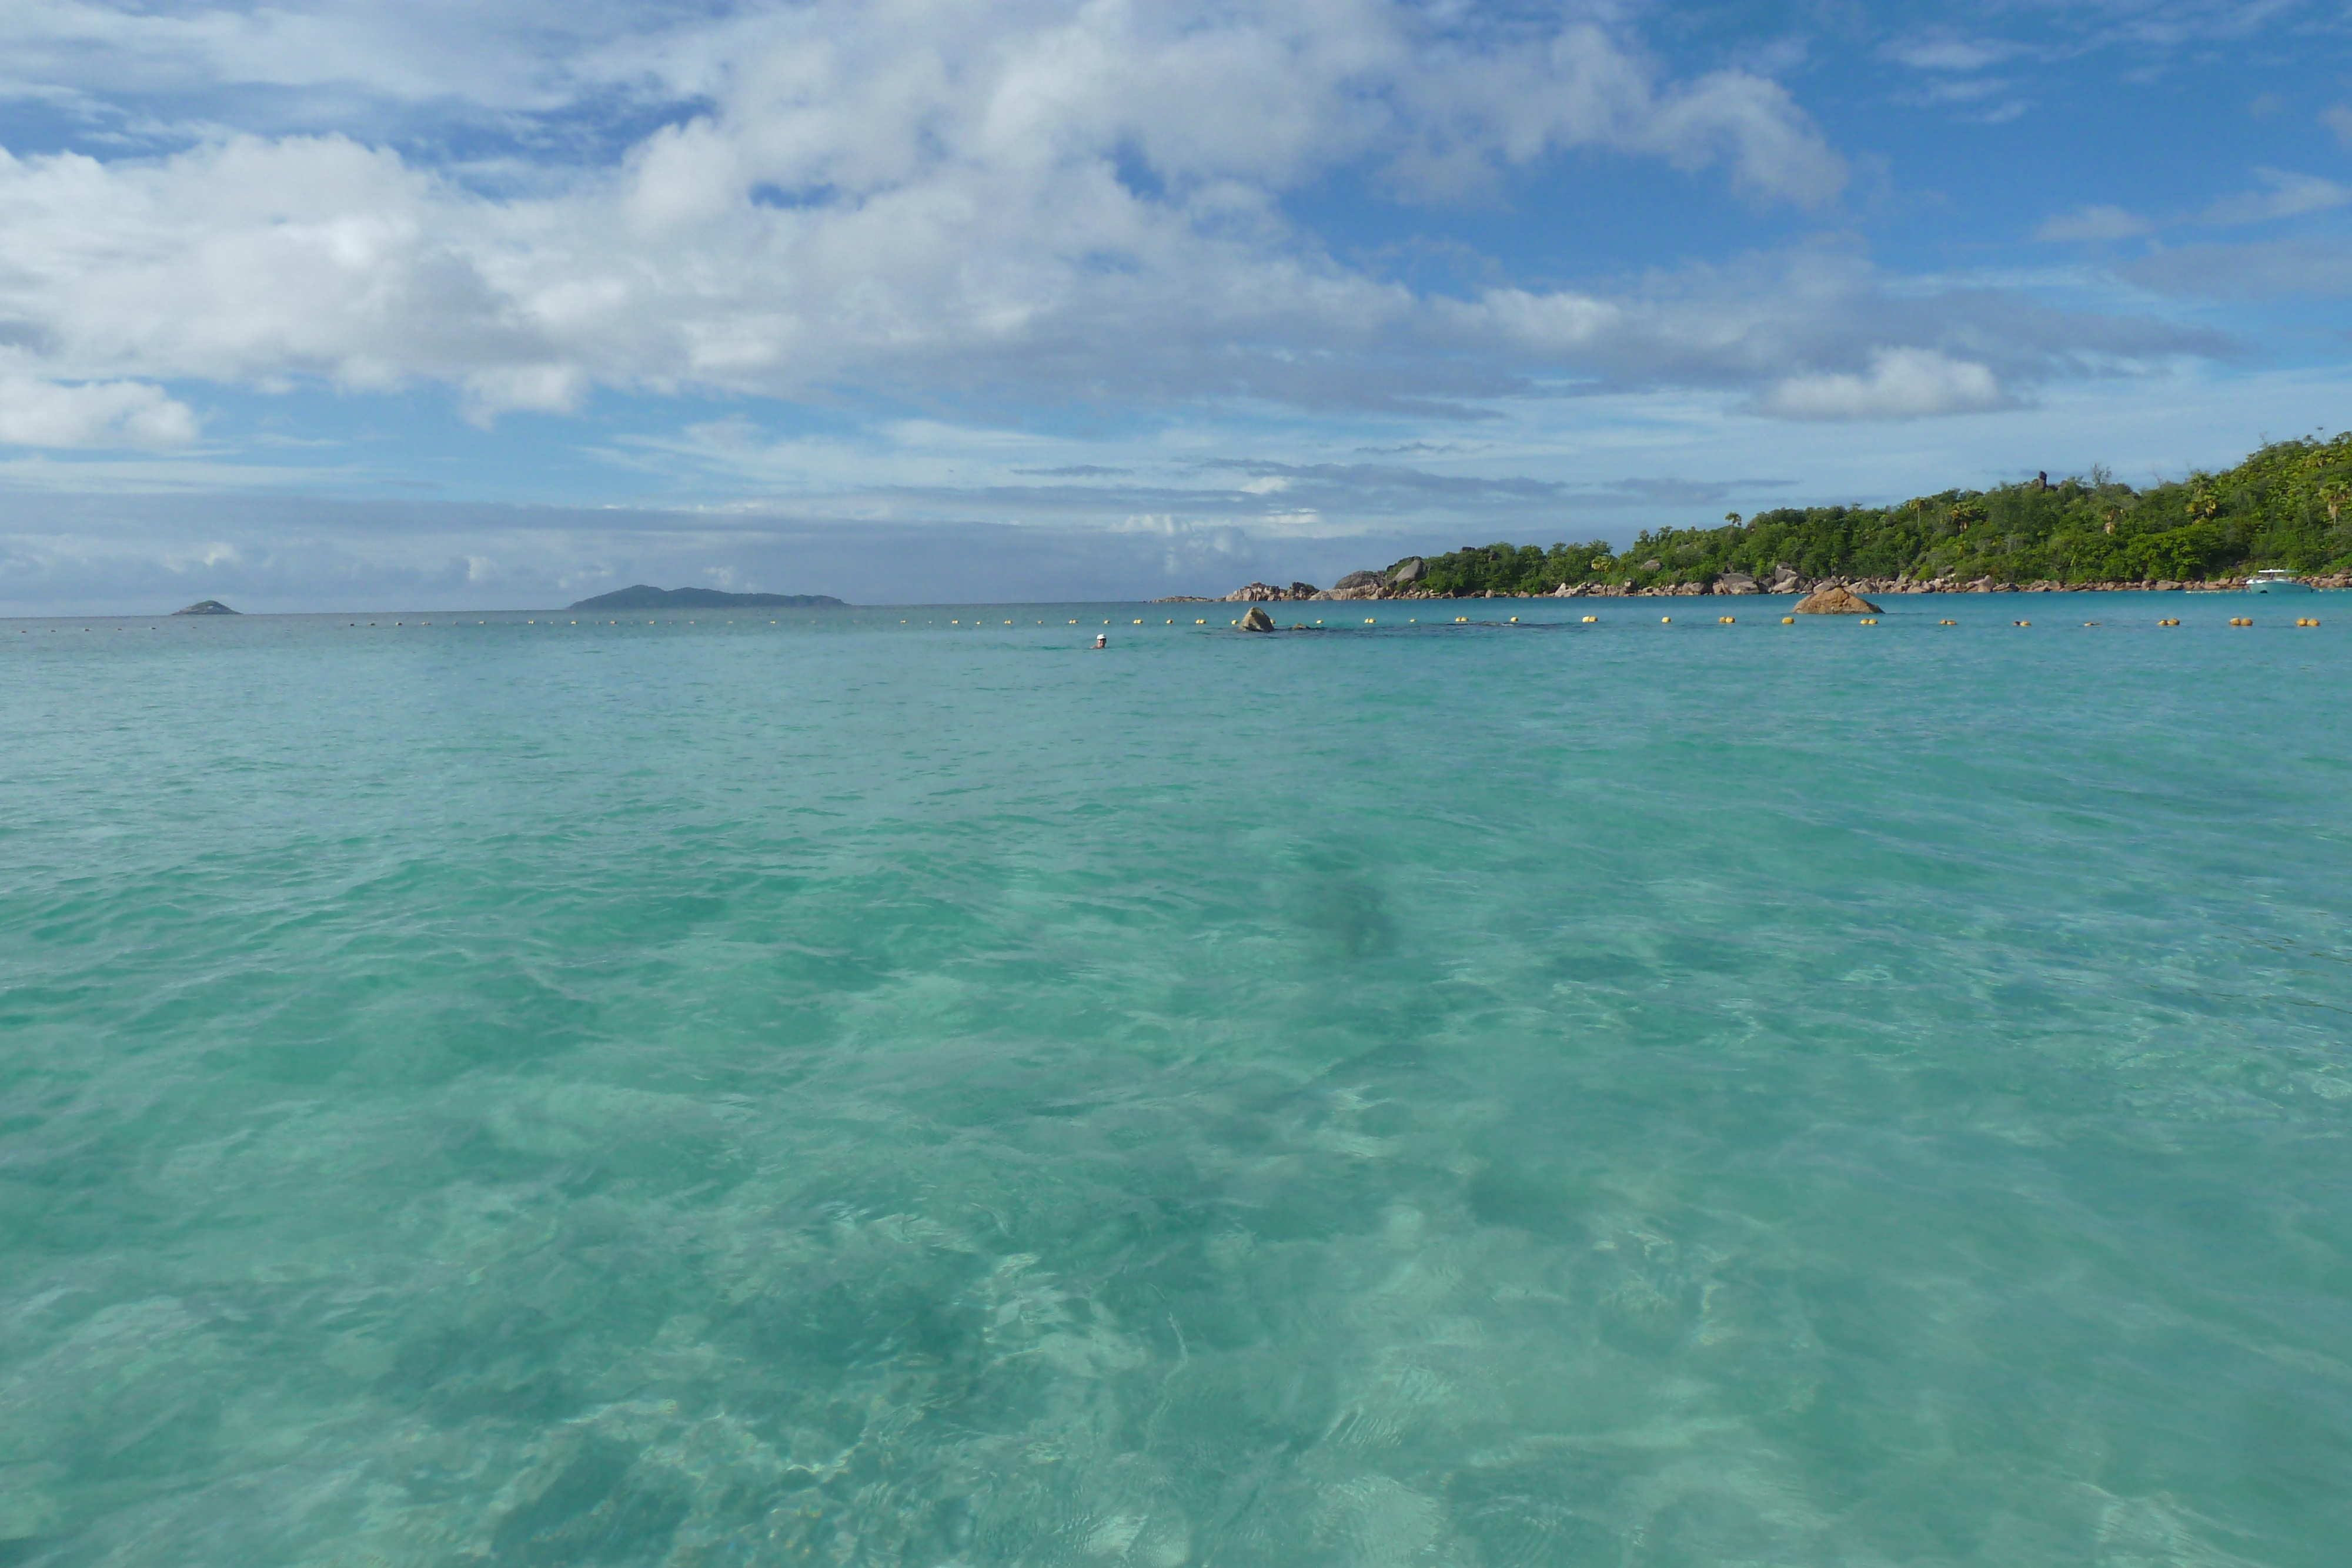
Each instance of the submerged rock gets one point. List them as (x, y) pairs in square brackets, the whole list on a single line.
[(1835, 600), (1258, 621)]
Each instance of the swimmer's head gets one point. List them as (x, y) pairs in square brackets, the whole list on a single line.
[(1101, 641)]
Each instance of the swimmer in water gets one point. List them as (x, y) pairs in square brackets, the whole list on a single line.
[(1101, 640)]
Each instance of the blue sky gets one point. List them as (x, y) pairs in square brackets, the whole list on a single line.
[(442, 304)]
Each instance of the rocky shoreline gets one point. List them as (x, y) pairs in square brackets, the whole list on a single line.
[(1403, 583)]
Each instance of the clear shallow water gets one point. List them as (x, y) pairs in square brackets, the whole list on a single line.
[(839, 1092)]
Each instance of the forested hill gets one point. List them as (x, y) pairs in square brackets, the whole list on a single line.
[(2286, 506)]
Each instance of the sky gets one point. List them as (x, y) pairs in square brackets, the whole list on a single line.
[(456, 304)]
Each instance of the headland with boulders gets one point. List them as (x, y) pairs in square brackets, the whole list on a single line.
[(2287, 506), (1407, 580)]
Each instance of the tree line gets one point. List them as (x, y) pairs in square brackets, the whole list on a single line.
[(2285, 505)]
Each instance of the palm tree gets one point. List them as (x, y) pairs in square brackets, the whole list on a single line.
[(1731, 518)]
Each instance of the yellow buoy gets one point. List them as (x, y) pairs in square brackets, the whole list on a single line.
[(1590, 620), (1787, 620), (1665, 619), (2021, 622), (1515, 620), (1724, 621), (1199, 623), (1462, 621), (1946, 622)]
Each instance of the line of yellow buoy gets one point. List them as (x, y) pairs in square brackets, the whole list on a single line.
[(2306, 622)]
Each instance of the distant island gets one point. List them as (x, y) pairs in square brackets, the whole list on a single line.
[(646, 597), (206, 607), (2285, 507)]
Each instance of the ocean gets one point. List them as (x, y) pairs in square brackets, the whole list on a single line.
[(895, 1087)]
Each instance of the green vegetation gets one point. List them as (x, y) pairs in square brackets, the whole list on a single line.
[(2286, 506)]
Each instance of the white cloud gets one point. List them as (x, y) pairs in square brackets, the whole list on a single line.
[(1063, 199), (2337, 118), (1044, 200), (35, 413), (2290, 195), (1954, 55), (1902, 384), (1810, 326), (2097, 223)]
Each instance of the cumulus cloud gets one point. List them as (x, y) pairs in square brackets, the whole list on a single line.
[(35, 413), (1808, 327), (1057, 201), (1901, 383), (1061, 199)]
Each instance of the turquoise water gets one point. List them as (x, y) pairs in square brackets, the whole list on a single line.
[(840, 1090)]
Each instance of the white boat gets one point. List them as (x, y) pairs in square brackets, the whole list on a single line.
[(2276, 579)]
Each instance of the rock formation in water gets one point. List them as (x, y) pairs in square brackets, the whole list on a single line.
[(206, 607), (644, 597), (1834, 599), (1256, 621)]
